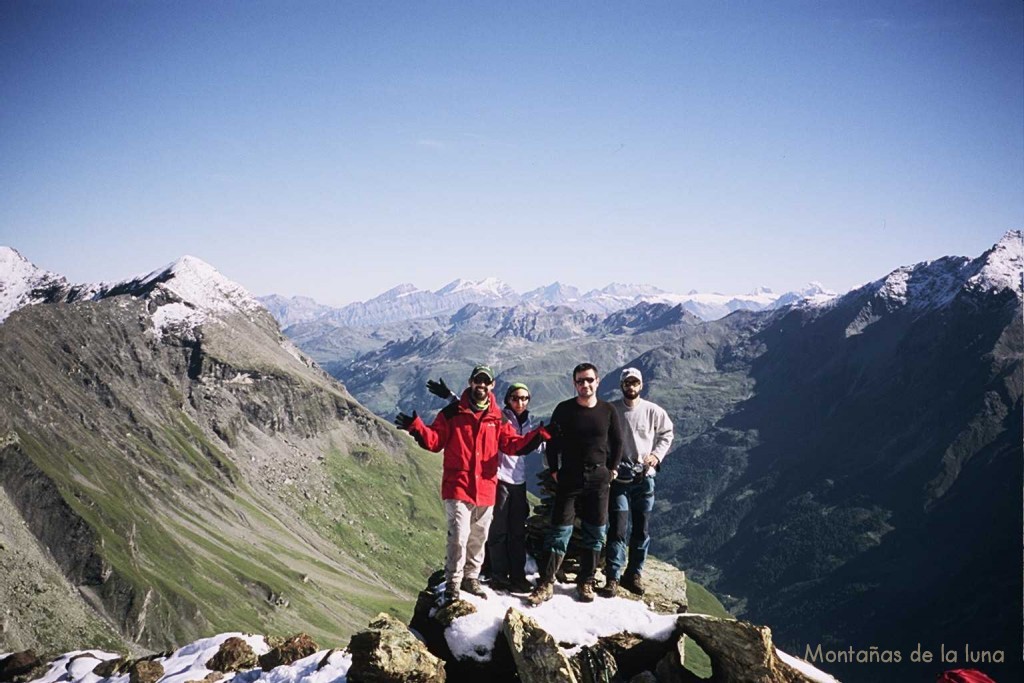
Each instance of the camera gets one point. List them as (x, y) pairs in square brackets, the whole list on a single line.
[(630, 472)]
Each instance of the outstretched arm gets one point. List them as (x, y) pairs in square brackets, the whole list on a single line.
[(432, 438), (441, 390), (510, 442)]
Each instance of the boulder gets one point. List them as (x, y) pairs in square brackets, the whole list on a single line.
[(17, 664), (593, 664), (388, 652), (291, 650), (740, 652), (211, 677), (634, 654), (449, 613), (145, 671), (430, 630), (670, 668), (665, 588), (112, 667), (234, 655), (537, 656)]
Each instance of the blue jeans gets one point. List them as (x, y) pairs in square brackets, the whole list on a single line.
[(631, 502)]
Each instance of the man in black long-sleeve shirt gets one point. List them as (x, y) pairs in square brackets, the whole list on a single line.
[(585, 448)]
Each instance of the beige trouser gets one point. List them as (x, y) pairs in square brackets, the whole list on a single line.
[(467, 532)]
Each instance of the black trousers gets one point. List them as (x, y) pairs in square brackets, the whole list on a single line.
[(590, 488), (506, 540)]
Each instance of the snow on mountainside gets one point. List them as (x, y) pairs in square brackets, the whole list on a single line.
[(617, 289), (814, 294), (555, 294), (24, 284), (198, 284), (491, 286), (406, 302), (189, 291), (933, 284), (1002, 267), (193, 290)]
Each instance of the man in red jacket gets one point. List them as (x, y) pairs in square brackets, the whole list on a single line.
[(471, 432)]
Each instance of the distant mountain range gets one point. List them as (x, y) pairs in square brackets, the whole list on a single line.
[(407, 302)]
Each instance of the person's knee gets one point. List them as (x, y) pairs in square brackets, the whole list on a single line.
[(594, 535), (559, 539)]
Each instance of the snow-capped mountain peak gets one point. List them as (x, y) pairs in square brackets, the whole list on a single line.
[(22, 283), (554, 294), (399, 291), (490, 286), (814, 294), (1002, 267), (198, 284), (934, 284), (619, 289)]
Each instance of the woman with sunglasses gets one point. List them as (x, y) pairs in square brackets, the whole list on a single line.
[(506, 540)]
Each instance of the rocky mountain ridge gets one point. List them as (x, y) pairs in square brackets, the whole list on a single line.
[(180, 466)]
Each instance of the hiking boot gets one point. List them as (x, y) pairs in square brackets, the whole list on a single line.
[(451, 595), (542, 593), (610, 589), (499, 583), (585, 591), (473, 587), (520, 585), (634, 583)]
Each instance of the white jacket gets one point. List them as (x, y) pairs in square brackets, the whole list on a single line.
[(512, 468)]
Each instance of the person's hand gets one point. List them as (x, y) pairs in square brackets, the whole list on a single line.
[(650, 462), (403, 421), (554, 476), (439, 388), (551, 431)]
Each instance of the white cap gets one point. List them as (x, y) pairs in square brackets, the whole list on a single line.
[(630, 372)]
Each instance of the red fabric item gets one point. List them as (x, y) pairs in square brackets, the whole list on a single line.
[(963, 676), (471, 442)]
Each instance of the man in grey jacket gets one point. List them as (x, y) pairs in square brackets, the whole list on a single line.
[(648, 436)]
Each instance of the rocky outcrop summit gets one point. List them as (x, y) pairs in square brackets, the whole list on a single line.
[(503, 638), (463, 642)]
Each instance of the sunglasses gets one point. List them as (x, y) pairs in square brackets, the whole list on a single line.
[(584, 380), (519, 398), (482, 379)]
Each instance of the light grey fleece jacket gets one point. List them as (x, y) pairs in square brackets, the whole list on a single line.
[(647, 428)]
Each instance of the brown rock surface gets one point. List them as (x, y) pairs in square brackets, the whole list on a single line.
[(388, 652)]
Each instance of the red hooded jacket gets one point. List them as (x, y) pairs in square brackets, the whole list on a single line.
[(471, 442)]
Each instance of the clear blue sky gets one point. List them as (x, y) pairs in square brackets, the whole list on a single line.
[(336, 149)]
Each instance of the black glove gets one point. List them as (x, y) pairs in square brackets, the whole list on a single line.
[(553, 430), (439, 388), (403, 421)]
